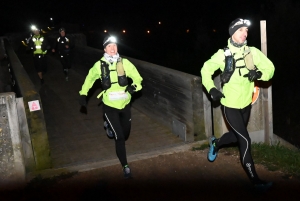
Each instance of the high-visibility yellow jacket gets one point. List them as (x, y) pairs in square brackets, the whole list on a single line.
[(238, 91), (95, 73), (38, 44)]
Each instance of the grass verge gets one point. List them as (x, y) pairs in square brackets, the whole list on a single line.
[(273, 157), (277, 157)]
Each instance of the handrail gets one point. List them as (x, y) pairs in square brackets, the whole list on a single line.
[(24, 87)]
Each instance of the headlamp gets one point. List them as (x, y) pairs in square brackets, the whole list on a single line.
[(242, 21), (111, 39), (33, 28)]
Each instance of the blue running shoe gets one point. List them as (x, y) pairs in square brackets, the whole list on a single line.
[(213, 151)]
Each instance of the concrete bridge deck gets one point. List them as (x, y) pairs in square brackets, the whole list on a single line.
[(78, 139)]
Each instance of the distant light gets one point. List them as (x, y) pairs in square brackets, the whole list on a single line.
[(51, 18), (105, 31), (148, 31), (187, 31), (124, 31), (214, 30), (159, 22)]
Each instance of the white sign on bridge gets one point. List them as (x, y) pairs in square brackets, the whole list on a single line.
[(34, 105)]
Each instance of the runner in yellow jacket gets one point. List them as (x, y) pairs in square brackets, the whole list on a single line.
[(116, 95), (39, 46), (241, 66)]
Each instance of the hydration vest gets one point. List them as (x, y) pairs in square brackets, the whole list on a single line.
[(230, 63), (105, 75), (229, 66)]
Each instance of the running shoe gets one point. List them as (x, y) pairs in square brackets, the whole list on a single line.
[(213, 151), (263, 186), (109, 132), (127, 172)]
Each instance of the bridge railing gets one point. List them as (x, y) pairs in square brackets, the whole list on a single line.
[(32, 123)]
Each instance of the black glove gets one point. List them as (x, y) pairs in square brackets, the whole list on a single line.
[(82, 100), (253, 75), (131, 89), (216, 94)]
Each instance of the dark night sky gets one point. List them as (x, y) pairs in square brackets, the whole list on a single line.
[(200, 17), (19, 14), (134, 16)]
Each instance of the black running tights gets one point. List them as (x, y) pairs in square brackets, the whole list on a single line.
[(120, 122), (238, 120)]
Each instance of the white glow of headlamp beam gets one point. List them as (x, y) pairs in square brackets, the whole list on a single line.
[(33, 28), (111, 39)]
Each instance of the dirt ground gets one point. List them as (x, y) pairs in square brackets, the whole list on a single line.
[(178, 176)]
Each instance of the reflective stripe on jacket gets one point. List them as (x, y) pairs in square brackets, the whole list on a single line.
[(238, 91)]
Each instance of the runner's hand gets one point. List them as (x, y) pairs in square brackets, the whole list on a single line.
[(131, 89), (82, 100), (216, 94), (253, 75)]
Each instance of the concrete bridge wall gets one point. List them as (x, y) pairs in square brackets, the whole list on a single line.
[(12, 164), (35, 146)]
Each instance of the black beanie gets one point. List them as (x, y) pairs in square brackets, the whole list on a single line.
[(62, 29), (236, 24), (109, 39)]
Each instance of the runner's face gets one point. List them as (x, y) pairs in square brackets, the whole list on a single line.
[(111, 49), (36, 32), (240, 35), (62, 33)]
